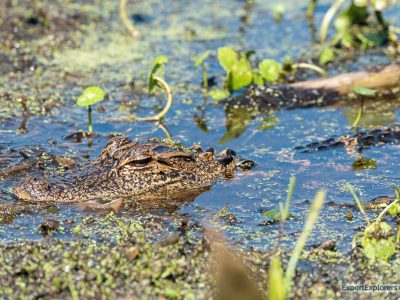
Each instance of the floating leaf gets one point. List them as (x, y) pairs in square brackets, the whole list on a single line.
[(273, 215), (227, 58), (364, 91), (219, 94), (242, 74), (90, 96), (394, 210), (201, 58), (269, 69), (326, 56), (276, 287), (157, 70), (257, 78), (342, 22), (378, 241)]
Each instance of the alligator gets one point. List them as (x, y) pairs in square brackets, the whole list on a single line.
[(356, 141), (152, 169), (318, 92)]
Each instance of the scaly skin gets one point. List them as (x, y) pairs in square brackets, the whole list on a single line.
[(126, 169), (354, 142)]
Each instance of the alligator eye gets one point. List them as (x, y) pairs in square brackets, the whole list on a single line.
[(140, 162)]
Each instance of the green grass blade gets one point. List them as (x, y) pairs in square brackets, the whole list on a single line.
[(311, 219), (289, 197), (276, 287), (359, 204)]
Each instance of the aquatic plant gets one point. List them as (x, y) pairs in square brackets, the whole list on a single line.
[(327, 55), (237, 66), (200, 62), (301, 241), (362, 92), (269, 70), (240, 72), (394, 208), (278, 11), (125, 19), (355, 25), (283, 214), (276, 285), (377, 240), (361, 25), (358, 202), (89, 97), (156, 80), (310, 9), (279, 284)]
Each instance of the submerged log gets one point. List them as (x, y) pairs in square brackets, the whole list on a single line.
[(382, 79), (320, 92)]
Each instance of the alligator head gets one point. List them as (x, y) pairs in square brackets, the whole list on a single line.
[(139, 170)]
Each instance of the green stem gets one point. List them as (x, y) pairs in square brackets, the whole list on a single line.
[(359, 204), (72, 289), (359, 116), (311, 9), (355, 238), (328, 18), (383, 212), (289, 197), (168, 105), (205, 79), (284, 210), (311, 67), (294, 258), (398, 234), (125, 19), (90, 119)]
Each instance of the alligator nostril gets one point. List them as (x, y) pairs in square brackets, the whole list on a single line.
[(211, 150), (225, 161)]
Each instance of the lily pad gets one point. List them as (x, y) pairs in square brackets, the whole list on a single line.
[(364, 91), (378, 241), (157, 70), (269, 69), (219, 95), (241, 74), (326, 56), (90, 96), (227, 58), (201, 58)]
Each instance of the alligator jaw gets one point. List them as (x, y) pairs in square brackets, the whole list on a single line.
[(21, 194)]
